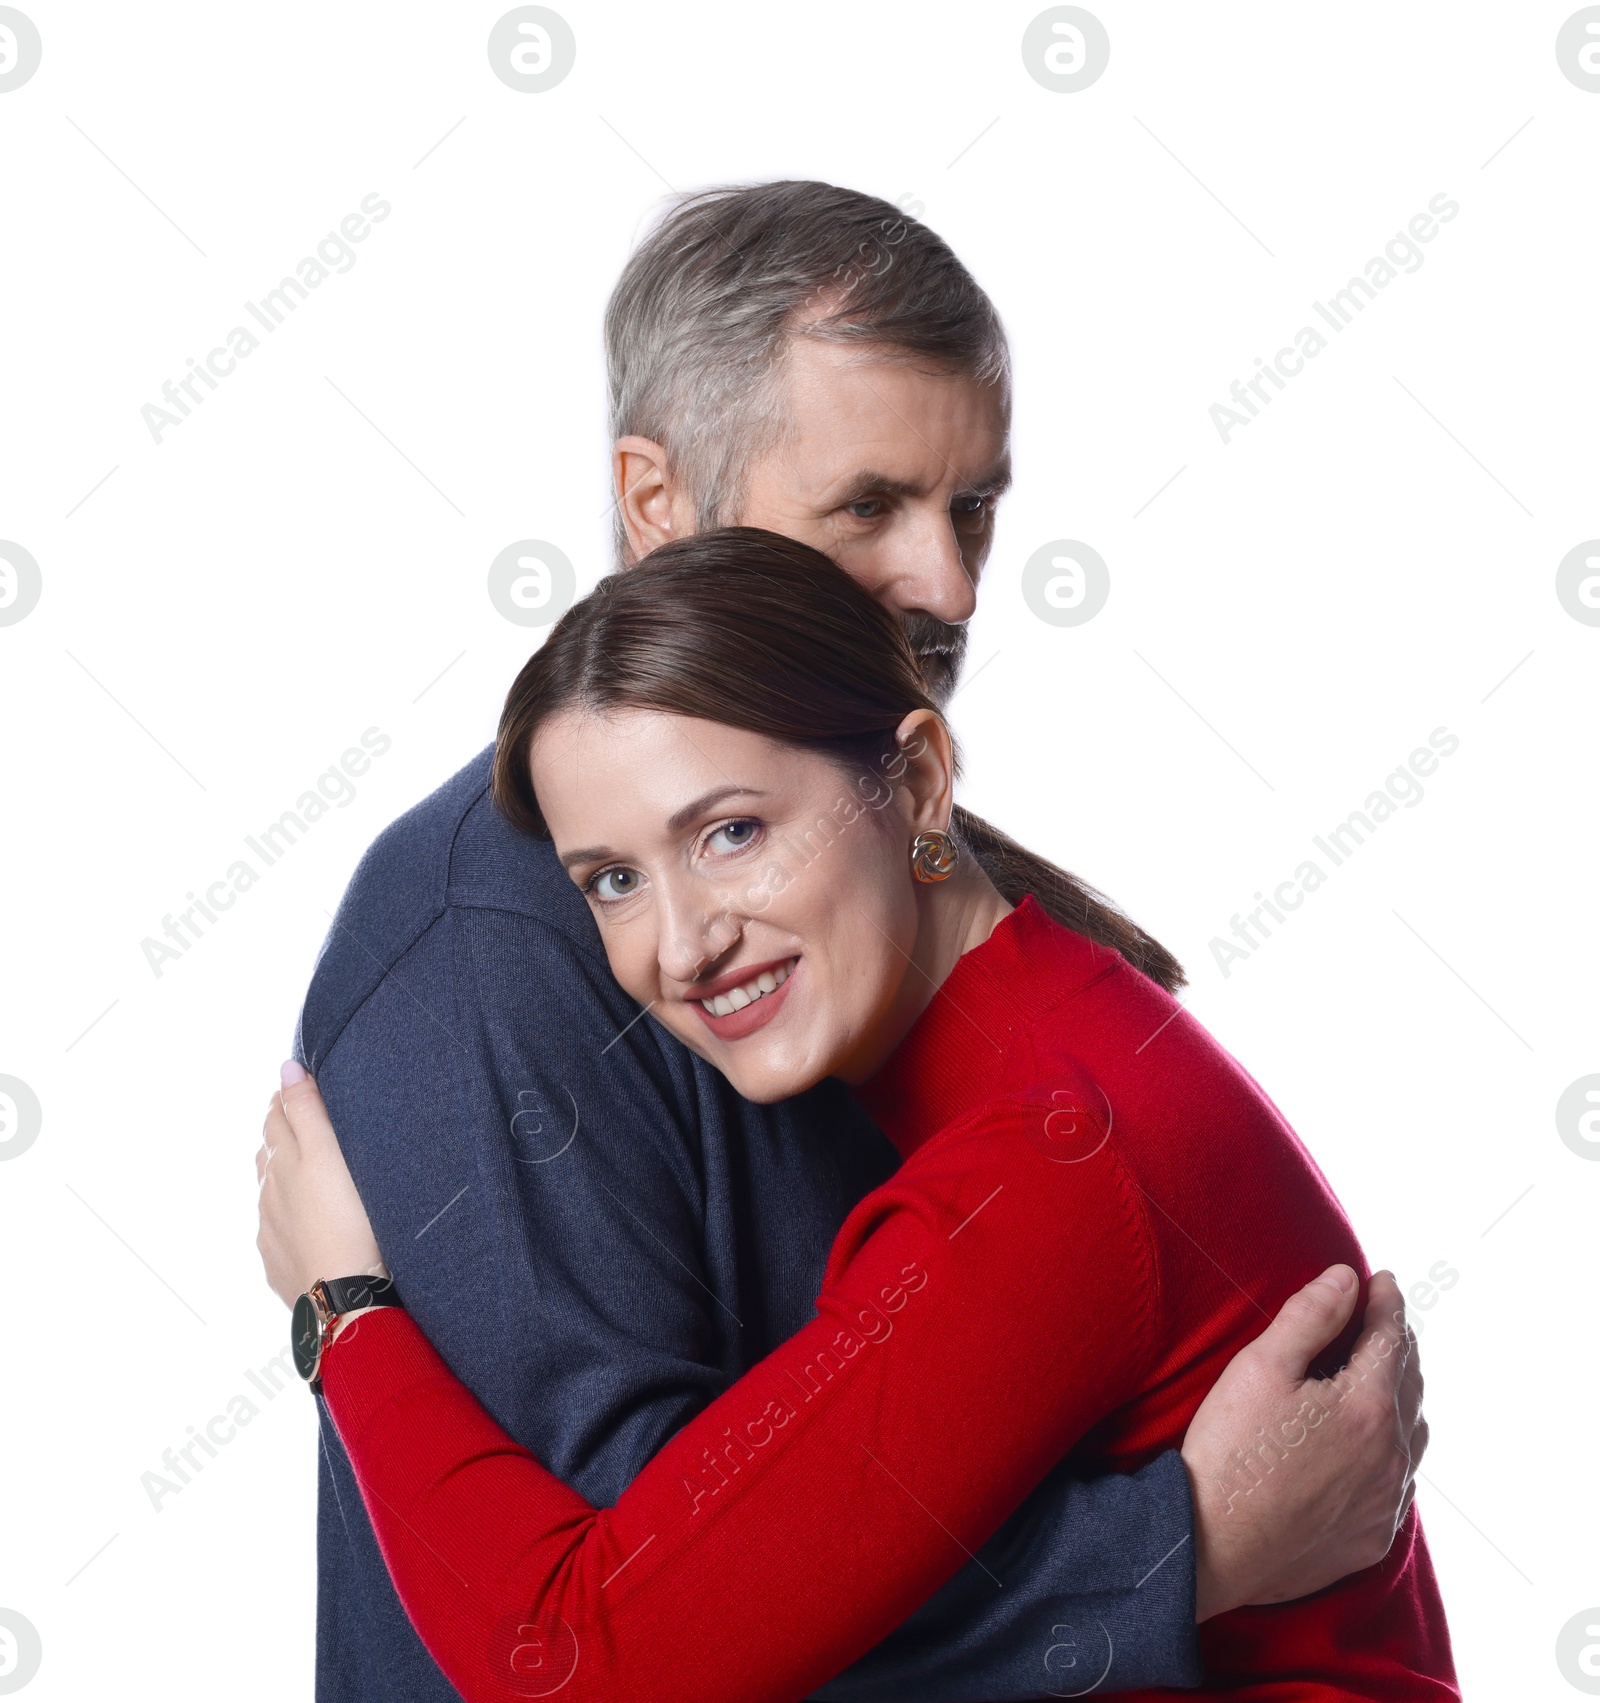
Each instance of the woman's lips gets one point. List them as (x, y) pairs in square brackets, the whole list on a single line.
[(737, 1024)]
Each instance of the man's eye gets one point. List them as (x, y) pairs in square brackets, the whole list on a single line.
[(970, 505), (866, 508), (733, 836), (616, 883)]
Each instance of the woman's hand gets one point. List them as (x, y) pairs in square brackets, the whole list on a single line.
[(313, 1224)]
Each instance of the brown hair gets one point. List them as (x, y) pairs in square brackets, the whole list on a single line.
[(689, 629)]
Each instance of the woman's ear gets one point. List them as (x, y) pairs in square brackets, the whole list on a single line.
[(646, 495), (926, 769)]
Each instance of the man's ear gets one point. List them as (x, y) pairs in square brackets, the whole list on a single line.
[(651, 511), (926, 769)]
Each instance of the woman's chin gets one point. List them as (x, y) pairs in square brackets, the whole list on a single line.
[(765, 1082), (766, 1093), (768, 1089), (760, 1074)]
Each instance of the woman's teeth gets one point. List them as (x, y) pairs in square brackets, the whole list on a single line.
[(736, 999)]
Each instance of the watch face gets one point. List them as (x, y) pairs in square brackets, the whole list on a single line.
[(305, 1337)]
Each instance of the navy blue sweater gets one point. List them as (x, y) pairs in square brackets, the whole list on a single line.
[(600, 1236)]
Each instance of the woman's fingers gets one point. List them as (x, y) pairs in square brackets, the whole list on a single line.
[(312, 1221), (276, 1131), (303, 1109)]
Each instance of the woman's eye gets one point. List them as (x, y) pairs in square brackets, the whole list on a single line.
[(733, 836), (618, 883)]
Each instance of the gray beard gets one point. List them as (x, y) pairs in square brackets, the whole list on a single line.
[(940, 650)]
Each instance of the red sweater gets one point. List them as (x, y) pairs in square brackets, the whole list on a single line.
[(1098, 1208)]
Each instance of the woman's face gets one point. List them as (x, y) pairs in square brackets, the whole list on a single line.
[(757, 899)]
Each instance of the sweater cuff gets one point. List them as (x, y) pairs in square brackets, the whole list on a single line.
[(376, 1358), (1166, 1593), (1126, 1618)]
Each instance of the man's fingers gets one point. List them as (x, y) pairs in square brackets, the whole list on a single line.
[(1306, 1323), (1405, 1506), (1409, 1396), (1419, 1443), (1386, 1306), (1386, 1344)]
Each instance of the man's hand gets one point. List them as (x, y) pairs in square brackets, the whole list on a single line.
[(1299, 1481)]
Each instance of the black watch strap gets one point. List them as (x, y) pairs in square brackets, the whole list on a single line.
[(324, 1302), (348, 1294)]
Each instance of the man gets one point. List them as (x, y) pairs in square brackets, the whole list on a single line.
[(546, 1170)]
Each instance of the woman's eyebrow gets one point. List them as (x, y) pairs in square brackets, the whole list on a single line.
[(679, 820), (706, 801), (587, 854)]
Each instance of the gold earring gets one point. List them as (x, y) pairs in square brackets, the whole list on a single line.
[(934, 856)]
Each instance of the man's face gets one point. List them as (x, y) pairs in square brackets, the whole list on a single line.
[(894, 472)]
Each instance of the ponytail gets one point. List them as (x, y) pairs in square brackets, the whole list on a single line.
[(1016, 871)]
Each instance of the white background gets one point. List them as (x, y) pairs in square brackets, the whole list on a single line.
[(1292, 615)]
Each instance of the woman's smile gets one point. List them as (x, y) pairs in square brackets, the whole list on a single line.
[(742, 1000)]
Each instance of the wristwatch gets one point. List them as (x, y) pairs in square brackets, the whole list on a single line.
[(319, 1310)]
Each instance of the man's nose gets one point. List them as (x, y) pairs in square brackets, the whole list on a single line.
[(695, 932), (929, 574)]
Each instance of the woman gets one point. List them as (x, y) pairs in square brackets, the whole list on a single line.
[(734, 755)]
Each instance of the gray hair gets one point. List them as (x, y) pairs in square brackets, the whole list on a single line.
[(698, 324)]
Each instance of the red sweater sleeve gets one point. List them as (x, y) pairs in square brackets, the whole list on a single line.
[(979, 1312)]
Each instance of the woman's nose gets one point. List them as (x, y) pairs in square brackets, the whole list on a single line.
[(694, 935)]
